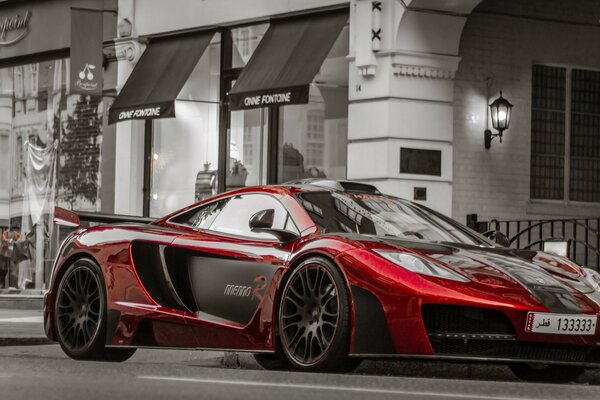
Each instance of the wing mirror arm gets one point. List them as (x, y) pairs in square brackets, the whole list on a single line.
[(281, 235), (262, 222)]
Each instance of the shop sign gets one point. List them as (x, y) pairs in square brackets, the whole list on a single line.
[(148, 111), (269, 98), (13, 29), (86, 51)]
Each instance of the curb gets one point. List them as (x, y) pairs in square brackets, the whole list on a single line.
[(24, 341), (239, 360), (21, 302)]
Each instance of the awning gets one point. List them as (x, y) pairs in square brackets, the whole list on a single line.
[(286, 61), (158, 77)]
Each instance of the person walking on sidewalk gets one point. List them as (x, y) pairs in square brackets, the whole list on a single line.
[(8, 243)]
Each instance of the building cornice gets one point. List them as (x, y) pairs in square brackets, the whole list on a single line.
[(124, 49), (422, 65)]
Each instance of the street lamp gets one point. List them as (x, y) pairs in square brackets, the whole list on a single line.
[(500, 111)]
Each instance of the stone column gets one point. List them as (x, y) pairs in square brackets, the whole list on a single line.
[(402, 64), (129, 157)]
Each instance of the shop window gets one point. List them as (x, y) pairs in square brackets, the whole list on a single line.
[(247, 148), (313, 136), (4, 166), (54, 141), (184, 154), (559, 172), (244, 41)]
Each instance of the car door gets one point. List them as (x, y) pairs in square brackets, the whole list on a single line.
[(229, 267)]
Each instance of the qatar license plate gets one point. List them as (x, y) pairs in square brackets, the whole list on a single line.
[(561, 324)]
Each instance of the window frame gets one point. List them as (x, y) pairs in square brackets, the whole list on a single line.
[(227, 234), (567, 151), (228, 73)]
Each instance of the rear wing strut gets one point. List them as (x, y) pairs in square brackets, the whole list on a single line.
[(73, 219)]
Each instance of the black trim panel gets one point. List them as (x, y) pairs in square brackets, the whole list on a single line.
[(147, 260), (371, 331), (112, 322), (228, 288)]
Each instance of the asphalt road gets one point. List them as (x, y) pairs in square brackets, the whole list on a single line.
[(32, 372)]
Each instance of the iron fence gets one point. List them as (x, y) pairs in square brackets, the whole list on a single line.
[(582, 234)]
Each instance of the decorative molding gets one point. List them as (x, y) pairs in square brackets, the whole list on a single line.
[(367, 70), (423, 72), (376, 29), (423, 65), (367, 38), (124, 49)]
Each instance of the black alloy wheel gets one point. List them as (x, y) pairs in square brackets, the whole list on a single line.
[(314, 317), (80, 315)]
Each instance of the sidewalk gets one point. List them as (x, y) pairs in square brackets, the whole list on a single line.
[(21, 327)]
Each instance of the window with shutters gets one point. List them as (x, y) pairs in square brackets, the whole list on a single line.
[(565, 134)]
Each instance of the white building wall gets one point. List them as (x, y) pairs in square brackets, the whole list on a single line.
[(401, 92), (495, 183), (151, 16)]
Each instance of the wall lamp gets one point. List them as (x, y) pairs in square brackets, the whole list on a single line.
[(500, 111)]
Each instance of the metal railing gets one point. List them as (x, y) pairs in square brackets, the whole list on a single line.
[(582, 234)]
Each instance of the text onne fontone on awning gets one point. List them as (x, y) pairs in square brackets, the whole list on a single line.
[(277, 98), (140, 113)]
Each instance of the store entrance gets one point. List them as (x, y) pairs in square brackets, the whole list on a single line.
[(247, 136)]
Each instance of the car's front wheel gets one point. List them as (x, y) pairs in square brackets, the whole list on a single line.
[(546, 373), (80, 314), (314, 317)]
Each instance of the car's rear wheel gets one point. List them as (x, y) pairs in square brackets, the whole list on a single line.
[(314, 317), (546, 373), (80, 314), (277, 361)]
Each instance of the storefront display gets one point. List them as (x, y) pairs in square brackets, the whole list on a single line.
[(209, 135), (55, 142), (58, 148)]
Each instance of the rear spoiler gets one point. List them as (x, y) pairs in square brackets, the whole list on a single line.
[(73, 218), (65, 217)]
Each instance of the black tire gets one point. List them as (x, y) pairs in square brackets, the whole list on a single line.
[(80, 315), (273, 362), (546, 373), (314, 317)]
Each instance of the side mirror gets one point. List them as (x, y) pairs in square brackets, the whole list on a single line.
[(498, 237), (262, 219), (262, 222)]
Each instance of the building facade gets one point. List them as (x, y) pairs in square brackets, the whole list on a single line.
[(205, 96)]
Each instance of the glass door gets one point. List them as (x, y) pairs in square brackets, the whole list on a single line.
[(247, 150)]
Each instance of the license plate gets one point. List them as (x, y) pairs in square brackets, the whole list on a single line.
[(561, 324)]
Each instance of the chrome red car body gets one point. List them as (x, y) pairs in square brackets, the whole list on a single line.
[(388, 302)]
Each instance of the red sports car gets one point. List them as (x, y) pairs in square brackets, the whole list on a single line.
[(318, 275)]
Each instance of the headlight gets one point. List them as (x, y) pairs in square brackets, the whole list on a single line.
[(592, 277), (420, 265)]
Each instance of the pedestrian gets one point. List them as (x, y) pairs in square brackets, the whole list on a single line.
[(10, 238), (4, 260)]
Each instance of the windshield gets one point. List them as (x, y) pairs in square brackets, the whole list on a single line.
[(384, 216)]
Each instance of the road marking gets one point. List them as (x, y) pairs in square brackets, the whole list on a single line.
[(331, 388), (27, 320)]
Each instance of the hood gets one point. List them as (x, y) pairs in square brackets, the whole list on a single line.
[(556, 281)]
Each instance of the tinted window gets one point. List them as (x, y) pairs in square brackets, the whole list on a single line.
[(236, 214), (382, 215), (201, 217)]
